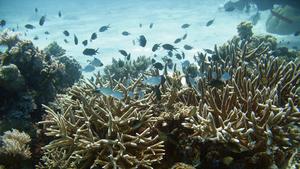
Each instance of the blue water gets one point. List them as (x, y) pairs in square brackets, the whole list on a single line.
[(85, 17)]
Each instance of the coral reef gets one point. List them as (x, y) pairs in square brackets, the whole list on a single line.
[(121, 69), (29, 78), (14, 150), (239, 109)]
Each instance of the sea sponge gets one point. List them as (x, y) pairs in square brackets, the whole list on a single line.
[(11, 78)]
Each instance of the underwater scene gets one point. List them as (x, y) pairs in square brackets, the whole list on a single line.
[(149, 84)]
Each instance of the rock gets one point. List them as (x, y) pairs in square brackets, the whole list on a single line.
[(281, 27)]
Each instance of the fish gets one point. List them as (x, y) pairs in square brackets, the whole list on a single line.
[(104, 28), (75, 40), (214, 75), (210, 22), (85, 42), (184, 36), (255, 18), (29, 26), (142, 41), (153, 60), (90, 51), (47, 33), (185, 64), (155, 47), (151, 25), (216, 83), (229, 8), (59, 14), (125, 33), (93, 36), (2, 22), (66, 41), (297, 33), (133, 42), (128, 56), (158, 66), (106, 91), (140, 25), (35, 38), (225, 76), (96, 62), (177, 40), (281, 17), (36, 10), (178, 56), (170, 63), (209, 51), (42, 20), (170, 54), (168, 47), (88, 68), (183, 55), (121, 63), (66, 33), (184, 26), (152, 81), (187, 47), (123, 52)]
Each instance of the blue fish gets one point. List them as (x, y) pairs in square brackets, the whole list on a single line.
[(152, 81), (225, 76), (106, 91)]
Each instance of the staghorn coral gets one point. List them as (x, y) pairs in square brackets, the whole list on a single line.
[(93, 130), (14, 150)]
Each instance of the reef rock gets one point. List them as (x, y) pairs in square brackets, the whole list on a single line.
[(280, 26), (11, 78)]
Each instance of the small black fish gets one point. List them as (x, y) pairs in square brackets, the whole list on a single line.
[(104, 28), (142, 41), (151, 25), (209, 51), (177, 40), (184, 36), (133, 42), (128, 56), (66, 41), (187, 47), (59, 14), (90, 51), (185, 26), (158, 65), (35, 38), (2, 22), (297, 33), (153, 61), (170, 63), (155, 47), (42, 20), (170, 53), (93, 36), (229, 8), (178, 56), (66, 33), (125, 33), (85, 42), (183, 55), (36, 10), (29, 26), (140, 25), (75, 39), (123, 52), (168, 47), (47, 33), (210, 22)]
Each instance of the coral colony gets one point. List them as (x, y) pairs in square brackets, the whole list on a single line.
[(237, 106)]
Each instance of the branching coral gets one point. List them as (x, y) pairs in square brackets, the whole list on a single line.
[(14, 148), (95, 130)]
